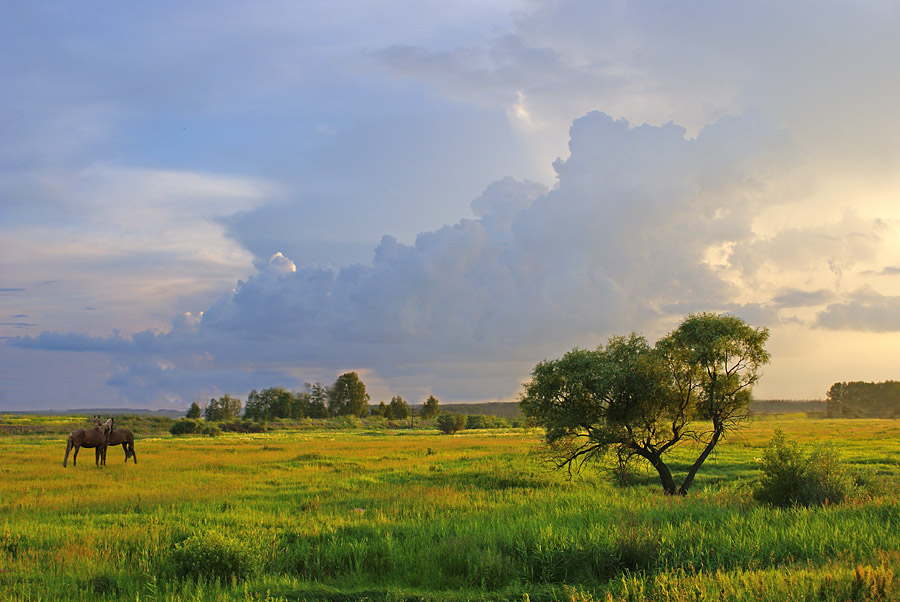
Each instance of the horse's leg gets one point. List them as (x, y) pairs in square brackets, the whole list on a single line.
[(125, 447), (133, 455), (68, 449), (97, 455), (75, 455)]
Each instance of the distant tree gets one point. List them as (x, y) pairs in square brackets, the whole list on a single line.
[(184, 426), (193, 412), (223, 409), (274, 402), (380, 410), (348, 397), (864, 399), (257, 407), (641, 401), (398, 409), (431, 408), (317, 402), (451, 423)]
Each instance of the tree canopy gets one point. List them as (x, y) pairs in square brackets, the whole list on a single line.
[(864, 399), (640, 401), (223, 409), (348, 397), (431, 408)]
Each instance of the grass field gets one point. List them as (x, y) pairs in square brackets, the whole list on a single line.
[(415, 515)]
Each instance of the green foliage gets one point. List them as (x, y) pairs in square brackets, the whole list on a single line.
[(480, 421), (791, 477), (864, 399), (350, 421), (431, 408), (193, 412), (348, 397), (223, 409), (104, 584), (398, 409), (211, 430), (212, 556), (643, 401), (185, 426), (317, 402), (243, 426), (451, 423)]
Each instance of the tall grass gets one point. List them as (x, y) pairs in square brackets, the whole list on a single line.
[(341, 515)]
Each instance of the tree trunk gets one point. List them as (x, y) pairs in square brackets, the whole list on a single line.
[(689, 479), (665, 475)]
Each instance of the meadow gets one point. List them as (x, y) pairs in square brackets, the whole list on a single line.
[(381, 514)]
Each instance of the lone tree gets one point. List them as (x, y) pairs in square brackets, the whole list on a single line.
[(641, 401), (348, 397), (193, 411), (431, 408)]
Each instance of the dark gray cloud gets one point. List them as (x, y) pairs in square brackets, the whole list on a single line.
[(865, 310), (798, 298)]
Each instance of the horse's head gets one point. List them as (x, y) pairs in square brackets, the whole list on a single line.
[(107, 427), (97, 421)]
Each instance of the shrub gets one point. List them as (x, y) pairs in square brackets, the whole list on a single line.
[(790, 477), (184, 426), (451, 423), (210, 556), (347, 421), (475, 421), (211, 430), (246, 426)]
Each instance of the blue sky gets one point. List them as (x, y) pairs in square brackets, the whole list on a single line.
[(205, 198)]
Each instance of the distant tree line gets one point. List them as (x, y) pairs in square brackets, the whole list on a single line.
[(864, 400), (346, 397)]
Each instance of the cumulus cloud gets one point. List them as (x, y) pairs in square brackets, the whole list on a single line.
[(621, 240)]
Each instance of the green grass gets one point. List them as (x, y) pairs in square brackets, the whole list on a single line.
[(399, 515)]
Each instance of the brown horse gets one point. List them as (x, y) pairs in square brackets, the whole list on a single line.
[(126, 439), (97, 437)]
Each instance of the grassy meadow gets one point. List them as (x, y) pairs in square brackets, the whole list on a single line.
[(368, 514)]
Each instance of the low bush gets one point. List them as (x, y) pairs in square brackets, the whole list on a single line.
[(247, 426), (184, 426), (451, 423), (478, 421), (791, 477), (211, 430), (210, 556)]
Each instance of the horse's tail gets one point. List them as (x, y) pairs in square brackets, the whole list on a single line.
[(69, 445)]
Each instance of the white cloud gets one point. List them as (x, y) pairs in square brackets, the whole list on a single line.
[(623, 236), (132, 244)]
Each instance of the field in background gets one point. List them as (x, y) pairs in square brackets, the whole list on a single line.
[(398, 515)]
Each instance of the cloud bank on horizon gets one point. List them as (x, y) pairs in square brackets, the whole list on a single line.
[(767, 189)]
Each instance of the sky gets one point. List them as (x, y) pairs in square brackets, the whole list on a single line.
[(212, 197)]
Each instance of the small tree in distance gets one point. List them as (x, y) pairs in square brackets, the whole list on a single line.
[(398, 409), (223, 409), (348, 397), (431, 408), (193, 412), (451, 423), (641, 401)]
